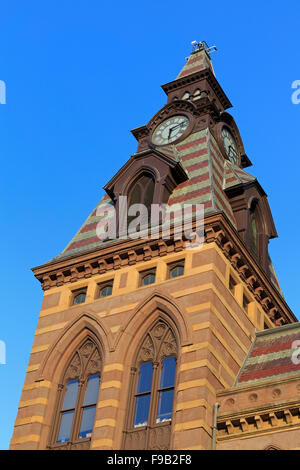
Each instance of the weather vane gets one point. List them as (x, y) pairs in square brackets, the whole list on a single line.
[(200, 46)]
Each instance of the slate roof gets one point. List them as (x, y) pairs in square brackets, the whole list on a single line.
[(270, 356)]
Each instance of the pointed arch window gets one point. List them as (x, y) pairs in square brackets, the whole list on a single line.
[(77, 399), (152, 391), (142, 192)]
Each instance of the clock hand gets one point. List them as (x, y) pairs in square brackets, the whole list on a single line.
[(178, 125)]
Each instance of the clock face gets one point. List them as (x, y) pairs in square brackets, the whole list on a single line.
[(230, 145), (170, 130)]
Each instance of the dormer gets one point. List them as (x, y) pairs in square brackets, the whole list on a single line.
[(148, 177)]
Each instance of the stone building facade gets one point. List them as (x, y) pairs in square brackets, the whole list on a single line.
[(138, 339)]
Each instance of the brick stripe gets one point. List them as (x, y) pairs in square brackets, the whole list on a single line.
[(217, 162), (218, 153), (192, 70), (197, 166), (217, 177), (198, 153), (274, 348), (188, 145), (87, 241), (29, 438), (223, 207), (260, 374), (197, 192), (230, 180), (194, 180)]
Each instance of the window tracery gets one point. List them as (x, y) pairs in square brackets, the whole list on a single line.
[(77, 399)]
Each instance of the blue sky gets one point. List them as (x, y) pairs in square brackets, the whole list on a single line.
[(68, 66)]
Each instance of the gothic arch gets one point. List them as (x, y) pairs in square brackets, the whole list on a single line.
[(130, 182), (151, 347), (76, 396), (156, 305), (73, 334), (156, 351), (255, 204)]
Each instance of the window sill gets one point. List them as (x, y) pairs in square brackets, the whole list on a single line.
[(80, 444)]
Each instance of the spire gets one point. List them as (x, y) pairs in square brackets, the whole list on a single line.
[(198, 60)]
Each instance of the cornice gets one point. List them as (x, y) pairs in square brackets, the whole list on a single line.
[(206, 74), (259, 421), (257, 281), (116, 255)]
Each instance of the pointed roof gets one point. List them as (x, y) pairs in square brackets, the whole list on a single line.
[(198, 60), (206, 171), (271, 356)]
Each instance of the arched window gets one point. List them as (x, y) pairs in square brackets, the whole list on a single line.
[(152, 391), (147, 278), (106, 291), (142, 192), (176, 271), (186, 96), (79, 298), (197, 94), (77, 399)]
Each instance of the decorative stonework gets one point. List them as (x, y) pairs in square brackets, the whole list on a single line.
[(276, 393), (85, 362), (253, 397), (216, 229), (159, 343), (265, 294), (259, 421)]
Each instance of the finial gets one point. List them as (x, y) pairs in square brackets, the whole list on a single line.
[(200, 46)]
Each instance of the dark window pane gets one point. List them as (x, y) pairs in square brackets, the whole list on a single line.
[(91, 393), (167, 377), (165, 406), (80, 298), (71, 395), (65, 426), (135, 197), (178, 271), (149, 192), (106, 291), (142, 410), (149, 279), (145, 378), (87, 422)]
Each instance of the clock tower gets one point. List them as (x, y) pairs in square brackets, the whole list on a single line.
[(137, 336)]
